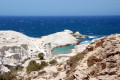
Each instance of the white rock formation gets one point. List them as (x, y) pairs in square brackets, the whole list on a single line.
[(69, 31), (99, 61), (78, 35), (16, 47), (59, 39)]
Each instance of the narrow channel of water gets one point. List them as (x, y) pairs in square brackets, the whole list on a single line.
[(67, 49)]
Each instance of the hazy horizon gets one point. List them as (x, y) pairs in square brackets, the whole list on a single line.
[(59, 8)]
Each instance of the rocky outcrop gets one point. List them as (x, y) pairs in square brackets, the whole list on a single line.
[(59, 39), (101, 61), (68, 31), (16, 48), (78, 35)]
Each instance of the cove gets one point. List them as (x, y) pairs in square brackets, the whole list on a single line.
[(63, 50)]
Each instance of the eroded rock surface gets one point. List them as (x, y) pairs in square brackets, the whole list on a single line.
[(99, 61), (16, 48), (78, 35)]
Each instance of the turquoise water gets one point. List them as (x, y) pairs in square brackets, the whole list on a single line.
[(63, 50), (67, 49)]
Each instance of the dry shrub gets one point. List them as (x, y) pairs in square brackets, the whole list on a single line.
[(42, 72), (53, 62), (59, 69), (112, 38), (7, 76), (33, 66), (91, 61), (73, 60)]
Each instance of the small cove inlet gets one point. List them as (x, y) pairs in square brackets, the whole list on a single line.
[(63, 50), (67, 49)]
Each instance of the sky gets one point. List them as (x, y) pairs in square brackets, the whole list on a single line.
[(59, 7)]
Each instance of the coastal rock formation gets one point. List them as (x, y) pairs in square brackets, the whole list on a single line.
[(59, 39), (78, 35), (16, 48), (69, 31), (99, 61)]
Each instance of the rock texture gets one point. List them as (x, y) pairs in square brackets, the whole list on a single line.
[(99, 61), (59, 39), (16, 48), (78, 35)]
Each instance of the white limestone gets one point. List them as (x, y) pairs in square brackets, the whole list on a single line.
[(16, 48)]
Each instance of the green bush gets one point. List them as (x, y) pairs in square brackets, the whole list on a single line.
[(33, 66), (7, 76), (52, 62), (43, 64), (41, 56), (42, 72), (19, 68)]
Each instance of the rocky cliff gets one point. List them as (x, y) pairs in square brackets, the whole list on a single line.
[(16, 48), (99, 61)]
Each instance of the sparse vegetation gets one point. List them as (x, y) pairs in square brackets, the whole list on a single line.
[(91, 60), (14, 69), (41, 56), (43, 64), (73, 61), (53, 62), (71, 78), (7, 76), (112, 38), (11, 75), (33, 66), (29, 78), (59, 69), (42, 72)]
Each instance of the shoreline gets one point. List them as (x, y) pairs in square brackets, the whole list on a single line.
[(21, 47)]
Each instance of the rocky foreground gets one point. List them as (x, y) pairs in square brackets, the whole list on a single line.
[(16, 48), (99, 61)]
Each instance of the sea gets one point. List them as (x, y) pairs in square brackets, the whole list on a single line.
[(37, 26)]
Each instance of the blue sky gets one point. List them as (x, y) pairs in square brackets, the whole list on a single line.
[(59, 7)]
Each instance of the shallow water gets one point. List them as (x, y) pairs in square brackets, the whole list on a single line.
[(67, 49), (63, 50)]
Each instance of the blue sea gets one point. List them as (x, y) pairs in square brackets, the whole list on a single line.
[(36, 26)]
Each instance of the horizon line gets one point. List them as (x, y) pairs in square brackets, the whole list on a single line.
[(53, 15)]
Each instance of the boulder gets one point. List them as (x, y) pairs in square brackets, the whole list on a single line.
[(78, 35)]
